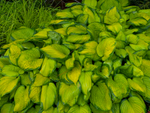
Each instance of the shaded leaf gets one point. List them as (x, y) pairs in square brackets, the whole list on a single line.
[(7, 108), (56, 37)]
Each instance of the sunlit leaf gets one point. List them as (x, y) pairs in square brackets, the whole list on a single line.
[(86, 83), (56, 51), (21, 98), (90, 3), (40, 80), (7, 108), (78, 38), (64, 14), (101, 90), (69, 93), (145, 67), (29, 59), (15, 52), (115, 27), (136, 84), (22, 33), (12, 71), (35, 93), (48, 95), (7, 84), (138, 21), (80, 109), (106, 47), (41, 35), (112, 16), (48, 67), (74, 73)]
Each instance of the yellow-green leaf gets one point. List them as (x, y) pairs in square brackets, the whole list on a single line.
[(80, 109), (22, 33), (101, 90), (21, 98), (11, 71), (74, 73), (138, 21), (64, 14), (48, 95), (56, 51), (7, 84), (29, 59), (77, 29), (48, 67), (7, 108), (115, 27), (35, 92), (106, 47), (92, 15), (89, 48), (112, 16), (69, 93), (41, 34), (86, 82), (136, 84), (145, 67), (15, 52), (25, 79), (78, 38), (90, 3), (40, 80)]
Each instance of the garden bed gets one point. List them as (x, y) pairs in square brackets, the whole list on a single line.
[(90, 57)]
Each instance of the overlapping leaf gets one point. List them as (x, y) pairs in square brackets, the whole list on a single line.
[(15, 52), (133, 105), (101, 90), (56, 51), (69, 93), (21, 98), (80, 109), (106, 47), (11, 71), (7, 84), (29, 59), (48, 95), (48, 67)]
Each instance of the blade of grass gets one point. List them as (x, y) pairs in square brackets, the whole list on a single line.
[(23, 13)]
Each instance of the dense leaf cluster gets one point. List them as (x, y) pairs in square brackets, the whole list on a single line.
[(94, 58)]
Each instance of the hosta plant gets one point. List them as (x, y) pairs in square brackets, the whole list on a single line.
[(94, 58)]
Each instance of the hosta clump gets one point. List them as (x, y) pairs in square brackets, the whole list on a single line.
[(94, 58)]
